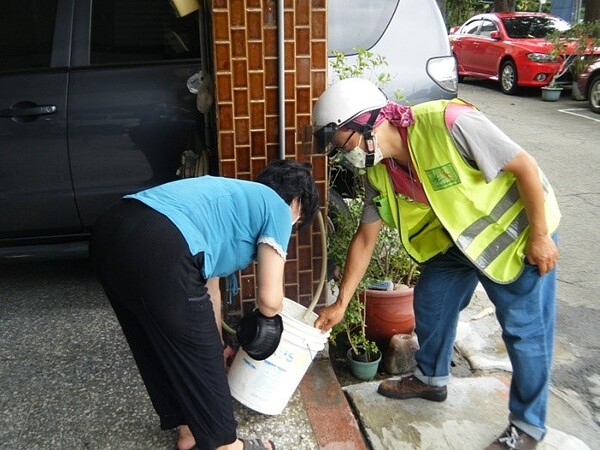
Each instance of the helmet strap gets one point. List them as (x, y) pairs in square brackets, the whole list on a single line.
[(367, 130)]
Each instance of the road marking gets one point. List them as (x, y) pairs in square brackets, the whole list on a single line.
[(570, 111)]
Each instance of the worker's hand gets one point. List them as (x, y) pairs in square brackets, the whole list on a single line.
[(330, 316), (541, 251)]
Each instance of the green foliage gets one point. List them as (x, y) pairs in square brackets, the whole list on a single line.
[(366, 61), (459, 11), (354, 327), (368, 65), (581, 39), (389, 262)]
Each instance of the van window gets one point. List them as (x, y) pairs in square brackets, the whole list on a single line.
[(141, 31), (28, 45), (357, 23)]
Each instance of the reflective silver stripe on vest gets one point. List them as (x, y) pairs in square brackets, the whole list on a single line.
[(503, 241), (472, 231)]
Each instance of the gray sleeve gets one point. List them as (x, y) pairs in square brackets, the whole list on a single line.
[(370, 213), (483, 144)]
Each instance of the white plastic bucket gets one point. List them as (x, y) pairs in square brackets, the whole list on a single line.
[(267, 386)]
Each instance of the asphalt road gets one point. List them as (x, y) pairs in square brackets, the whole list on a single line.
[(564, 137)]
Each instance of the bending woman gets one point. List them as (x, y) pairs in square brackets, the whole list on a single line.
[(155, 252)]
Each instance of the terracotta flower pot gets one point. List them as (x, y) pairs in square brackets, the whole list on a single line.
[(388, 313)]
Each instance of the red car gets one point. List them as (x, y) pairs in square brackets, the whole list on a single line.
[(589, 84), (507, 47)]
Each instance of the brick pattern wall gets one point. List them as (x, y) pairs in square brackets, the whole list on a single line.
[(245, 51)]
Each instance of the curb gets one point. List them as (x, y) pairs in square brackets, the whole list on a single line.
[(330, 415)]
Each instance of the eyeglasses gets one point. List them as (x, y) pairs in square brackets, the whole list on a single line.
[(342, 148)]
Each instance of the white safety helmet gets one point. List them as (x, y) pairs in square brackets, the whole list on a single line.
[(340, 103)]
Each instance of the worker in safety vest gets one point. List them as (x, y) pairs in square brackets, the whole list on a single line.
[(471, 207)]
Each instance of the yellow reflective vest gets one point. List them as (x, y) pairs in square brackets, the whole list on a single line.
[(486, 221)]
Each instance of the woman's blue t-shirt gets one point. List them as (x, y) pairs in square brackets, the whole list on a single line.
[(224, 218)]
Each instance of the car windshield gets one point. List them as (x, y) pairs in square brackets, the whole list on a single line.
[(533, 26)]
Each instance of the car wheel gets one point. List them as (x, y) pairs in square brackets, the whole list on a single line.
[(594, 95), (508, 78)]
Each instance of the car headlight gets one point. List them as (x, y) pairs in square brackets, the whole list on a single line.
[(541, 57)]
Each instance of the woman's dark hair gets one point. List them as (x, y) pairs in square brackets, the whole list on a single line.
[(291, 179)]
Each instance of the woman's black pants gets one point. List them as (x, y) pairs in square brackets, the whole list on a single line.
[(159, 296)]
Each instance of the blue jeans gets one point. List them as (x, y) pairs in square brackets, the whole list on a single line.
[(525, 310)]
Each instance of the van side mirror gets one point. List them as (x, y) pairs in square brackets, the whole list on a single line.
[(453, 29), (495, 35)]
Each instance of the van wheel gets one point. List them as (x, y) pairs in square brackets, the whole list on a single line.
[(594, 95), (508, 78)]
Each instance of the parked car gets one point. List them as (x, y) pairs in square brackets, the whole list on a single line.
[(589, 84), (93, 105), (507, 47)]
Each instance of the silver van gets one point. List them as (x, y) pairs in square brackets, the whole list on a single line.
[(410, 34)]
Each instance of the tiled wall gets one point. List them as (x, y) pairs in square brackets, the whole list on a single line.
[(245, 50)]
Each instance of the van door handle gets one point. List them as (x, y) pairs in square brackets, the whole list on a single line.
[(28, 111)]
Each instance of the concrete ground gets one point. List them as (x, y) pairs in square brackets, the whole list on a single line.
[(476, 408)]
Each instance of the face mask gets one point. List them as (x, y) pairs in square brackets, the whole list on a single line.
[(361, 159)]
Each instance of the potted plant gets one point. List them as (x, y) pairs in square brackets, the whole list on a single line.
[(383, 303), (363, 355), (389, 287), (571, 48)]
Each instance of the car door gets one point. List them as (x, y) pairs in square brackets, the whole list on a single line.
[(466, 46), (131, 115), (36, 193), (489, 49)]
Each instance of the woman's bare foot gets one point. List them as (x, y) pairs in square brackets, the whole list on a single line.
[(185, 440)]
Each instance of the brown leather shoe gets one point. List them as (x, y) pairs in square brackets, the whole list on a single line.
[(412, 387), (513, 438)]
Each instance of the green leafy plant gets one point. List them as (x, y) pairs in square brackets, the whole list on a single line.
[(368, 65), (353, 325), (389, 262), (573, 47)]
